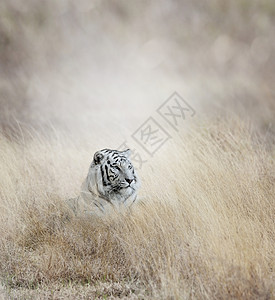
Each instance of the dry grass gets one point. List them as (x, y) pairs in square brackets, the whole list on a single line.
[(96, 70), (205, 230)]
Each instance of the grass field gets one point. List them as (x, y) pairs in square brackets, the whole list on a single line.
[(76, 77), (204, 230)]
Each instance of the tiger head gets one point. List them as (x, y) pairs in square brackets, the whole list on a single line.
[(112, 175)]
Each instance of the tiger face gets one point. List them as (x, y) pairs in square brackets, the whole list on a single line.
[(116, 176)]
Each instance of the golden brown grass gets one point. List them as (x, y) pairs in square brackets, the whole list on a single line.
[(205, 229)]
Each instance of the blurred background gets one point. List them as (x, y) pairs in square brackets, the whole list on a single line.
[(93, 69)]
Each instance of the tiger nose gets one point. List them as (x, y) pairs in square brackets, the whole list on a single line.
[(129, 180)]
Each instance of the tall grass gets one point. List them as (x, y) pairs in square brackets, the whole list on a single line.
[(204, 230)]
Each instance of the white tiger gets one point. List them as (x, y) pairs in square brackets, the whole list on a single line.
[(112, 182)]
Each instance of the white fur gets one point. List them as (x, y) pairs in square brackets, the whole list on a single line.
[(95, 198)]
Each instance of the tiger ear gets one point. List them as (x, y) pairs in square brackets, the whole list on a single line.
[(98, 156), (126, 153)]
